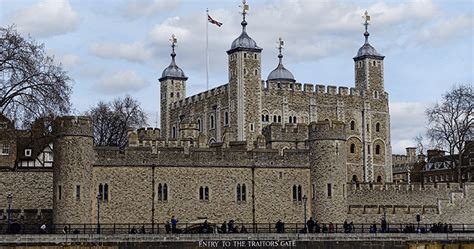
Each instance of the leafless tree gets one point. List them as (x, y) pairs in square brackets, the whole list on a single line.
[(451, 123), (111, 121), (32, 85)]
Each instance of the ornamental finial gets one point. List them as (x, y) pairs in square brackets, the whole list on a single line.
[(173, 41), (245, 9), (280, 43), (366, 18)]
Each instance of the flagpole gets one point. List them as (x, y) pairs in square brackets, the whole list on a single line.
[(207, 49)]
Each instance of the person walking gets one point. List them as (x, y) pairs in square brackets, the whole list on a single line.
[(174, 222)]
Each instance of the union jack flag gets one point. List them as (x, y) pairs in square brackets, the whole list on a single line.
[(209, 18)]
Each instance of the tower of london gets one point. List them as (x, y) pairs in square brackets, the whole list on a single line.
[(252, 150)]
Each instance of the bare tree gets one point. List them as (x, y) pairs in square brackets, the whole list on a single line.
[(31, 84), (451, 123), (111, 121)]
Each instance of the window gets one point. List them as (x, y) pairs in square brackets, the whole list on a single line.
[(204, 193), (104, 192), (5, 149), (255, 56), (226, 118), (173, 132), (376, 94), (28, 152), (377, 127), (162, 192), (279, 119), (279, 85), (368, 149), (294, 119), (274, 119), (78, 192), (245, 55), (374, 63), (379, 178), (177, 95), (353, 148), (60, 192), (329, 190), (313, 191), (241, 193), (297, 193), (199, 125), (213, 122), (263, 118), (251, 127), (353, 124), (171, 94), (367, 127), (354, 178), (377, 149), (267, 118)]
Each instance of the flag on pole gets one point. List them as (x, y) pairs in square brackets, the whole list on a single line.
[(209, 18)]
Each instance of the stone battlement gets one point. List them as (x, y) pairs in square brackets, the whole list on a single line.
[(312, 88), (200, 96), (73, 126), (416, 186), (323, 130)]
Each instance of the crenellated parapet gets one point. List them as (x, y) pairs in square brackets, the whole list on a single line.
[(308, 88), (327, 130), (200, 96), (73, 126)]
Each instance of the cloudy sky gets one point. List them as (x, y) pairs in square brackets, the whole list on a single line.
[(114, 47)]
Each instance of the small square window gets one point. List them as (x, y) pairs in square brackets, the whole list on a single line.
[(4, 149), (28, 152)]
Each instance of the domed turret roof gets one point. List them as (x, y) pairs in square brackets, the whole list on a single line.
[(173, 71), (367, 50), (280, 72), (244, 40)]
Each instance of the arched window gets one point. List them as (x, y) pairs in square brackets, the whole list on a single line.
[(368, 149), (379, 179), (177, 94), (226, 118), (368, 128), (199, 125), (376, 94), (160, 192), (239, 196), (101, 191), (290, 119), (374, 63), (294, 119), (173, 132), (267, 118), (299, 193), (244, 193), (206, 193), (353, 124), (165, 192), (171, 94), (263, 118), (279, 119), (106, 192), (377, 127), (274, 118), (377, 149), (213, 122), (201, 193), (295, 193), (354, 178), (353, 148)]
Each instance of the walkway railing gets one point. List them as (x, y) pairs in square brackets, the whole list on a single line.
[(193, 228)]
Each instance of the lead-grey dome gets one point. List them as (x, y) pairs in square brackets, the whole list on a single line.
[(367, 49), (244, 40), (281, 73), (173, 71)]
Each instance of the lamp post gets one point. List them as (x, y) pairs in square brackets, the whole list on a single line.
[(99, 197), (304, 203), (9, 200)]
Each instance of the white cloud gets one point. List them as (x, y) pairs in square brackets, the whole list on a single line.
[(407, 121), (46, 18), (121, 81), (135, 52), (447, 30), (147, 8)]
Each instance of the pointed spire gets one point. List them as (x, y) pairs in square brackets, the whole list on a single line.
[(244, 41), (366, 18)]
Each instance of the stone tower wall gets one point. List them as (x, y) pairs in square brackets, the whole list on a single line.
[(73, 160), (172, 90), (328, 171)]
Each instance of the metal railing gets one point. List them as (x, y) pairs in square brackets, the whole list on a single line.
[(193, 228)]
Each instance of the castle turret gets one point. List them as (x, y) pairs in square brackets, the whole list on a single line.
[(280, 73), (173, 88), (245, 85), (327, 141), (73, 194), (368, 65)]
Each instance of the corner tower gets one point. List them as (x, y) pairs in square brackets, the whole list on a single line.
[(280, 73), (172, 89), (73, 193), (245, 85), (327, 143)]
